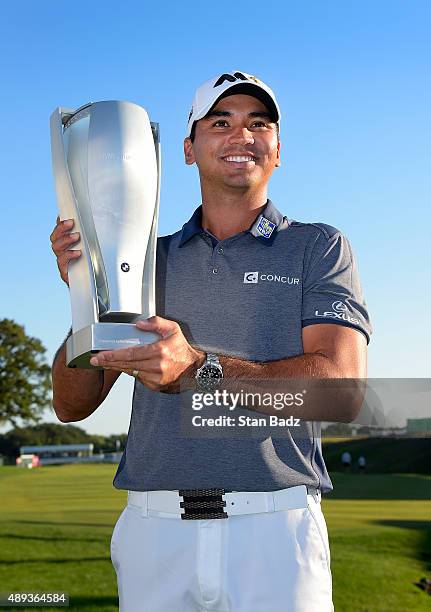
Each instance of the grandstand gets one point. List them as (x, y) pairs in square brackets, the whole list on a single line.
[(61, 453)]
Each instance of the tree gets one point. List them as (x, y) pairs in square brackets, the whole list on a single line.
[(111, 442), (24, 375), (41, 434), (55, 433)]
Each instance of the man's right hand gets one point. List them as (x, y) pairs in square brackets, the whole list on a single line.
[(62, 240)]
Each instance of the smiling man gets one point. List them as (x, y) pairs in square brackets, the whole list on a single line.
[(244, 296)]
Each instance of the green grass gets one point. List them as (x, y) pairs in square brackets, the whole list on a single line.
[(55, 529), (56, 524), (380, 544)]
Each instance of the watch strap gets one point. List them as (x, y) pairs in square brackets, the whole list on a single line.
[(212, 359)]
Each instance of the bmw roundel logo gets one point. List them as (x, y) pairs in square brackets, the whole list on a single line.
[(125, 266)]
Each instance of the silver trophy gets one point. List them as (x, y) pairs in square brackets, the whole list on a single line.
[(106, 163)]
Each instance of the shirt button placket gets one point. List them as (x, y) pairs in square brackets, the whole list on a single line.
[(218, 250)]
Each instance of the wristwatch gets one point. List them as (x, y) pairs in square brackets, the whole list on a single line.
[(209, 375)]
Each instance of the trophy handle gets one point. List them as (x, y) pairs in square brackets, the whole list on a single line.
[(81, 274), (149, 276)]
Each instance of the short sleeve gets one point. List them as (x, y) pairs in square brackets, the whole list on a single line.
[(332, 291)]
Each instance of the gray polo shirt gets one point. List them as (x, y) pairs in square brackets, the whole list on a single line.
[(247, 296)]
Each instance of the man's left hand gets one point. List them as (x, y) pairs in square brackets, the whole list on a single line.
[(161, 365)]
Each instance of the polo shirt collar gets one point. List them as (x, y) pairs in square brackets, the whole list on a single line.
[(263, 228), (192, 227), (267, 224)]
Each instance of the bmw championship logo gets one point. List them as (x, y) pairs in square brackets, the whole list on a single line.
[(265, 227)]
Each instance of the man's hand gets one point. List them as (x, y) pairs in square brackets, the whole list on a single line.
[(62, 239), (162, 365)]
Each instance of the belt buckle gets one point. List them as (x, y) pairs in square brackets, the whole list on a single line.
[(203, 504)]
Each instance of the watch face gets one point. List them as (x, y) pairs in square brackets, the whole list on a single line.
[(209, 377), (211, 372)]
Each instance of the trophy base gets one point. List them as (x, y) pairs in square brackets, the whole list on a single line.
[(86, 342)]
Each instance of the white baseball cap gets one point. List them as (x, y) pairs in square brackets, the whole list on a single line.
[(227, 84)]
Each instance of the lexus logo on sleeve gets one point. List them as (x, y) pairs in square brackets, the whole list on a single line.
[(340, 306), (339, 311)]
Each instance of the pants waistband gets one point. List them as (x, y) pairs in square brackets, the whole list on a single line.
[(218, 503)]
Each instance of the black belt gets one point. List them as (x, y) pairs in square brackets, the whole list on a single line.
[(203, 503)]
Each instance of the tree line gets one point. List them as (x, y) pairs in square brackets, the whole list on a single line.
[(26, 395), (53, 433)]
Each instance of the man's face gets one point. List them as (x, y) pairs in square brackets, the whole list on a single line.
[(236, 145)]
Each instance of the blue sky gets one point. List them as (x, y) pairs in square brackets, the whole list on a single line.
[(352, 81)]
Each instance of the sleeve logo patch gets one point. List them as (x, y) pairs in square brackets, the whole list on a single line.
[(339, 306), (340, 311), (265, 227)]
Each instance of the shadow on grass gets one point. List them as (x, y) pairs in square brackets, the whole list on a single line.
[(96, 602), (423, 551), (41, 560), (62, 524), (383, 455), (13, 536)]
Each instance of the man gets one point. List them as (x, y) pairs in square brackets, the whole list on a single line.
[(243, 294), (362, 462), (346, 459)]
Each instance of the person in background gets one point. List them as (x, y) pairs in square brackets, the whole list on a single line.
[(362, 463), (346, 460)]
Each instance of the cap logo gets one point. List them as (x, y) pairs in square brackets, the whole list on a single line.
[(256, 80), (229, 77), (265, 227)]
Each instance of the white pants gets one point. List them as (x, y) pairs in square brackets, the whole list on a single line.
[(266, 562)]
